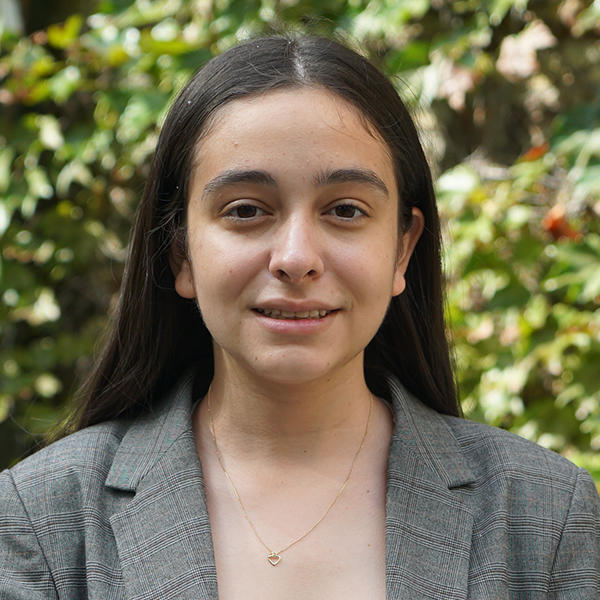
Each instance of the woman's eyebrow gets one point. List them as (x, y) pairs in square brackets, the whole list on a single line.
[(235, 176), (352, 175)]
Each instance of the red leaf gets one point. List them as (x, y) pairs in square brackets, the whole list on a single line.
[(536, 152), (557, 226)]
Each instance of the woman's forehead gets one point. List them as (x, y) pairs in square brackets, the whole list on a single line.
[(308, 126)]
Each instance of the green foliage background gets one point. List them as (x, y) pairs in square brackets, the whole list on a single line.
[(506, 94)]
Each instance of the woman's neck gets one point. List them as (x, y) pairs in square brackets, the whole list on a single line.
[(274, 421)]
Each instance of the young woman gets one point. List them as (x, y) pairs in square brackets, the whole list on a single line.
[(275, 414)]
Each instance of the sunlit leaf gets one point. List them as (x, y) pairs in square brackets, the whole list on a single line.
[(63, 35)]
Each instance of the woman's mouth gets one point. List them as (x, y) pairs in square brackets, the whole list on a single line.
[(275, 313)]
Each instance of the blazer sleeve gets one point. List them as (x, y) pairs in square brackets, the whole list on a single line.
[(24, 571), (576, 569)]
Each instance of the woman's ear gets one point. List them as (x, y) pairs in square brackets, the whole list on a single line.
[(405, 249), (182, 272)]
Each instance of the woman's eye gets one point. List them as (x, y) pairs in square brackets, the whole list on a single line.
[(245, 211), (347, 211)]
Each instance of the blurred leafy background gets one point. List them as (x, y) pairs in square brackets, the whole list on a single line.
[(506, 93)]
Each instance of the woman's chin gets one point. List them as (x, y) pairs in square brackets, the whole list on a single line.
[(299, 370), (292, 374), (290, 366)]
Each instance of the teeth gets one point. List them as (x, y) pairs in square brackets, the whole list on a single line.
[(275, 313)]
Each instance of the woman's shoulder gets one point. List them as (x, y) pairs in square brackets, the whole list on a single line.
[(492, 451), (486, 459), (66, 468), (78, 466), (526, 482), (532, 506), (55, 511)]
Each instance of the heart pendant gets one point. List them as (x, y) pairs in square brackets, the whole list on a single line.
[(274, 558)]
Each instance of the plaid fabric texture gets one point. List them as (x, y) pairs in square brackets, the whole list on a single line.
[(118, 511)]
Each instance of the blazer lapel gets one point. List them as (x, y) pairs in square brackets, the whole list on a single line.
[(428, 519), (163, 536)]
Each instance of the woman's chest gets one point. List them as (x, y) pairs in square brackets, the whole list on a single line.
[(343, 557)]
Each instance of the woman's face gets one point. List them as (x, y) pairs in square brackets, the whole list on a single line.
[(293, 248)]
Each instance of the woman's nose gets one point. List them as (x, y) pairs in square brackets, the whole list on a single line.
[(295, 254)]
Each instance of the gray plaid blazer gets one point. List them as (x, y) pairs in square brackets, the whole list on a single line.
[(118, 511)]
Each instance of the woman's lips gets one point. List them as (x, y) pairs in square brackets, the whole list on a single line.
[(302, 322), (275, 313)]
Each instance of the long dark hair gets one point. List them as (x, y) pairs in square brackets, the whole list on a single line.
[(157, 334)]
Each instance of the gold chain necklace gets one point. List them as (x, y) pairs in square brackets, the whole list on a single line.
[(274, 557)]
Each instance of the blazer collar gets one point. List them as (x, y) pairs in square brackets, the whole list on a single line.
[(428, 517), (151, 436), (426, 433), (163, 535)]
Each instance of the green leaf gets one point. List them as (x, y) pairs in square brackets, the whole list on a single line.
[(64, 83), (62, 36), (74, 171), (50, 133), (141, 112), (37, 180), (7, 155), (5, 216), (415, 54)]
